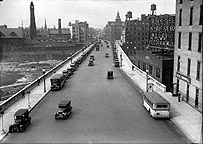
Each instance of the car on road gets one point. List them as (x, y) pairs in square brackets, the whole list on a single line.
[(106, 55), (21, 121), (64, 109), (92, 57), (91, 63), (109, 74)]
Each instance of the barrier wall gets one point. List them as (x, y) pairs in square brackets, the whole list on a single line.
[(143, 73), (7, 103)]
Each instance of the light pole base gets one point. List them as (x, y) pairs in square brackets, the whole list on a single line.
[(3, 131)]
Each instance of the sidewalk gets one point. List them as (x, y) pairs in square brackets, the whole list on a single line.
[(29, 102), (188, 119)]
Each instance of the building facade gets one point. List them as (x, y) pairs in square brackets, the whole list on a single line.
[(79, 31), (149, 43), (113, 29), (136, 34), (188, 51)]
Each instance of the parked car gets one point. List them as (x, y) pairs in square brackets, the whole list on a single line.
[(109, 74), (91, 63), (92, 57), (64, 109), (22, 120), (66, 73)]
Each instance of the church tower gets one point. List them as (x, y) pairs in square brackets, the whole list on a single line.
[(33, 32), (118, 19)]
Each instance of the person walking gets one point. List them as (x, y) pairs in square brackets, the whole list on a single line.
[(133, 67)]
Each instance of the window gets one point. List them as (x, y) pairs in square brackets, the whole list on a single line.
[(181, 1), (188, 66), (201, 16), (179, 40), (138, 64), (178, 65), (196, 97), (180, 17), (150, 69), (190, 42), (187, 92), (198, 70), (191, 15), (157, 72), (200, 43), (144, 66)]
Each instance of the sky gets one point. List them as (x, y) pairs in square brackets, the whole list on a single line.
[(97, 13)]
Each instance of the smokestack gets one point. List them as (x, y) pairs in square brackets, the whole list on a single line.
[(59, 27)]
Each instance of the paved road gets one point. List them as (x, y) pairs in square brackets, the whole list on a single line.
[(103, 111)]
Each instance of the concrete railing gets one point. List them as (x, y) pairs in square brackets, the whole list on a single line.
[(21, 94), (141, 72)]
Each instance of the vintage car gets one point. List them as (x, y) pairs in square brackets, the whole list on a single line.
[(66, 73), (109, 74), (22, 120), (116, 62), (65, 109), (106, 55), (71, 71), (92, 57), (91, 63)]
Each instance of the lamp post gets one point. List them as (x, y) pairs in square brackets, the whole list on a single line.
[(43, 70), (2, 125), (28, 99), (121, 59), (71, 58), (147, 80)]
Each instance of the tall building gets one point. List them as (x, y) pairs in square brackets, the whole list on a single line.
[(79, 31), (113, 29), (33, 31), (136, 34), (149, 43), (188, 51)]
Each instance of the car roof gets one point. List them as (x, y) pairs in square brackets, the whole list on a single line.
[(20, 112), (64, 102)]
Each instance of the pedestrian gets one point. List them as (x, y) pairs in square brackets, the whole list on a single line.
[(23, 94), (38, 82), (133, 67)]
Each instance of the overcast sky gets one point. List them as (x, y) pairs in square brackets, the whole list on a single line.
[(96, 12)]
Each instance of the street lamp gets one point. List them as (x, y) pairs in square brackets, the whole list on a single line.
[(43, 70), (121, 59), (28, 99), (71, 58), (147, 80), (2, 126)]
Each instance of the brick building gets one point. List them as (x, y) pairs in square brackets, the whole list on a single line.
[(149, 43), (188, 51)]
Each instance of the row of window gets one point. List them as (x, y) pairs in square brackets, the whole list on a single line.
[(190, 41), (188, 93), (150, 68), (191, 16), (189, 68)]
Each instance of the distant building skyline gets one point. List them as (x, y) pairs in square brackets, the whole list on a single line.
[(16, 13)]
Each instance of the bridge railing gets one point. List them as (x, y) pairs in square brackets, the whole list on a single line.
[(141, 72), (21, 94)]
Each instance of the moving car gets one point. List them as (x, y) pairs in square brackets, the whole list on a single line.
[(109, 74), (64, 109), (92, 57), (22, 120), (106, 55), (91, 63)]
